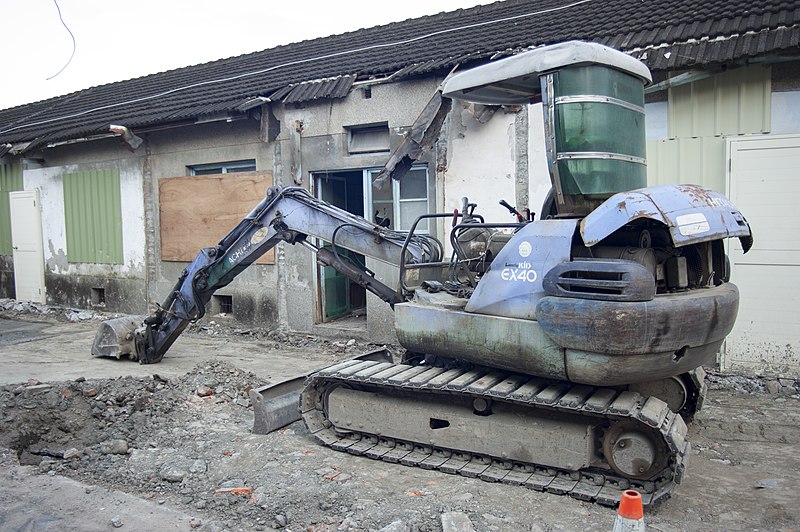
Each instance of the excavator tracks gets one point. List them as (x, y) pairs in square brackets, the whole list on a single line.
[(632, 441)]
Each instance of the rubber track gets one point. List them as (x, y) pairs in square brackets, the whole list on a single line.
[(596, 485)]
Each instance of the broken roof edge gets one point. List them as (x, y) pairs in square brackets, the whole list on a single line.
[(483, 84)]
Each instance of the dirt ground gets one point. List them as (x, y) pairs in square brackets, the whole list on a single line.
[(97, 444)]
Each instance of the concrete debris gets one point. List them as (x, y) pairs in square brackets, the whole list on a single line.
[(71, 453), (395, 526), (79, 315), (173, 471), (203, 391), (746, 384), (456, 522), (769, 483), (24, 307), (116, 522), (114, 447), (36, 389)]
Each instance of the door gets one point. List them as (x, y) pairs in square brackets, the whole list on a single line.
[(335, 302), (764, 183), (26, 241), (339, 295)]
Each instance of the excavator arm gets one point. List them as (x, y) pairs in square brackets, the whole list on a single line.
[(289, 215)]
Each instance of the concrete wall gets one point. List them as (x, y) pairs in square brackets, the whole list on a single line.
[(481, 164), (323, 145), (170, 152)]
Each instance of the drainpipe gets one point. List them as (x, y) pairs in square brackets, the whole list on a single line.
[(127, 135)]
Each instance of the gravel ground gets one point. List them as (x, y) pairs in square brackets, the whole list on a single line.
[(184, 442)]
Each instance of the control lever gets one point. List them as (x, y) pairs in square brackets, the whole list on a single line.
[(512, 210)]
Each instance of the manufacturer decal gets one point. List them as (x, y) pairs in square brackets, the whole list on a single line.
[(244, 250), (692, 224), (519, 272), (239, 253), (259, 236), (525, 249)]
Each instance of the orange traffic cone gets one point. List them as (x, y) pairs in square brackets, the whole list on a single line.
[(630, 516)]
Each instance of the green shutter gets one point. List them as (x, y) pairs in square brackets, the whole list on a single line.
[(93, 217), (10, 181)]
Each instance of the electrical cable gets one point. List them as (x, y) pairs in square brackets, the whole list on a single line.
[(297, 62), (74, 46)]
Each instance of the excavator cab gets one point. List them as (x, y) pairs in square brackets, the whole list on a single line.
[(593, 104)]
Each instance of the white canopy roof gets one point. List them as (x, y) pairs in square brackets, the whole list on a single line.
[(515, 79)]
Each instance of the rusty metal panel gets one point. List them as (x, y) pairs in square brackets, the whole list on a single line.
[(691, 213), (734, 102), (10, 181), (93, 216), (514, 344)]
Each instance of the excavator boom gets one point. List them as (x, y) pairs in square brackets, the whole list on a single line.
[(289, 215)]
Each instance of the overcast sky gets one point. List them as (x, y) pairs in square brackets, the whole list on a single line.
[(118, 40)]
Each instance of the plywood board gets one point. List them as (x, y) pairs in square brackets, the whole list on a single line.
[(198, 211)]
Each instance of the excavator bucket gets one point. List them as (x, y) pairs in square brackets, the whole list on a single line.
[(277, 405), (115, 338)]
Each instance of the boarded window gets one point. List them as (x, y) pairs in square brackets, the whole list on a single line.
[(93, 216), (10, 181), (198, 211)]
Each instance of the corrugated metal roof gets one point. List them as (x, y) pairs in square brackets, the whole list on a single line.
[(665, 35), (336, 87)]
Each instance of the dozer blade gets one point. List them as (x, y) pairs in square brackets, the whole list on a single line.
[(277, 405), (115, 338)]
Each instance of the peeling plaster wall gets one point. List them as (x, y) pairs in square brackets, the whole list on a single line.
[(481, 163), (69, 283), (323, 141), (539, 176)]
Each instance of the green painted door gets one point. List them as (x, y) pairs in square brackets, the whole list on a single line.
[(335, 286)]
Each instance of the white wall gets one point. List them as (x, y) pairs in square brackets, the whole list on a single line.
[(785, 112), (49, 182), (480, 163), (656, 121), (539, 176)]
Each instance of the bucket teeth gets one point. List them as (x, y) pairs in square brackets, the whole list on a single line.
[(115, 338)]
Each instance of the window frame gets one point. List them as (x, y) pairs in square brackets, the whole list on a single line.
[(227, 167), (396, 199), (364, 128)]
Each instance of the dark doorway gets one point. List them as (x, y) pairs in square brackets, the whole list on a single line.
[(340, 296)]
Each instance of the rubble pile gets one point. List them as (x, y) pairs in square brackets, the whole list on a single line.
[(186, 441), (745, 384), (12, 308)]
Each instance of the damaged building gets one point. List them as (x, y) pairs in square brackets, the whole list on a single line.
[(110, 191)]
